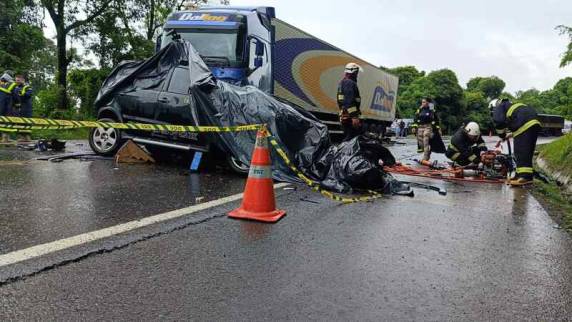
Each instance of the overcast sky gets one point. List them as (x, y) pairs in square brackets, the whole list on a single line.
[(514, 40)]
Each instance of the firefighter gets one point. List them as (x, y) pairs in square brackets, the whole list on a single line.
[(522, 122), (467, 146), (349, 102), (23, 105), (425, 124), (7, 97)]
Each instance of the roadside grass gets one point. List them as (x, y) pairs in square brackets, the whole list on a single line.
[(73, 134), (558, 154), (557, 200)]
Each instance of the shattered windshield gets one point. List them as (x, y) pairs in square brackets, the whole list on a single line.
[(216, 47)]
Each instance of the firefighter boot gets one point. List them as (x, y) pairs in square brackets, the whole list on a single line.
[(519, 181)]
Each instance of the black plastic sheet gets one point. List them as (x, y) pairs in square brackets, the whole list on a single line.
[(349, 167)]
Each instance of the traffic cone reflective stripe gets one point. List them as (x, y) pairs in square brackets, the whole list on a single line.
[(258, 202)]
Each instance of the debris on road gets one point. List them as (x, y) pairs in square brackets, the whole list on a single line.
[(132, 153)]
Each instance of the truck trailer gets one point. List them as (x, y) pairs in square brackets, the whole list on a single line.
[(250, 46)]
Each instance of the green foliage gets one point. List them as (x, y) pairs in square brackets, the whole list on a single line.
[(558, 154), (557, 100), (440, 85), (46, 104), (73, 134), (477, 109), (127, 31), (406, 74), (491, 87), (45, 101), (84, 85), (567, 55), (21, 35)]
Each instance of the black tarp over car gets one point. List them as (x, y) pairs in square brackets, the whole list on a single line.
[(350, 166)]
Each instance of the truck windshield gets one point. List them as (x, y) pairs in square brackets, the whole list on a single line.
[(217, 47)]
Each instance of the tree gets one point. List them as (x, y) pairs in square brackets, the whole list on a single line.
[(128, 29), (84, 85), (21, 36), (406, 74), (69, 16), (567, 55), (477, 109), (492, 86), (448, 96)]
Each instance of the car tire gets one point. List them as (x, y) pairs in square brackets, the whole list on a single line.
[(105, 141), (237, 166)]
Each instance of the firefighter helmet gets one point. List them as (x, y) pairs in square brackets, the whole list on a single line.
[(352, 68), (472, 129)]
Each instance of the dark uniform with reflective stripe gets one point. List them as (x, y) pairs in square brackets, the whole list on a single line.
[(349, 102), (425, 118), (523, 122), (24, 102), (7, 97), (463, 150)]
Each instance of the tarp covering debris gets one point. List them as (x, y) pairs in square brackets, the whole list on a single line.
[(348, 167)]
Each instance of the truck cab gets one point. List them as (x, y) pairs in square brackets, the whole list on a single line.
[(235, 43)]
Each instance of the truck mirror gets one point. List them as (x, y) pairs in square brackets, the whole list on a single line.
[(259, 50), (258, 62), (158, 44)]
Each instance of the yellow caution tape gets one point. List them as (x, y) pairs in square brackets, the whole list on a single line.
[(11, 121), (316, 185), (14, 124)]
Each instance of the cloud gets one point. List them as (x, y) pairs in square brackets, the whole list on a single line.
[(512, 39)]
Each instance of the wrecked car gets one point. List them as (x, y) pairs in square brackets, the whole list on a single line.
[(146, 92), (163, 100)]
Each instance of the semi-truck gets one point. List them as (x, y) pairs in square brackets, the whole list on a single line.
[(552, 125), (250, 46)]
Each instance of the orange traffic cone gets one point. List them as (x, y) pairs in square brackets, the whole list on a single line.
[(258, 202)]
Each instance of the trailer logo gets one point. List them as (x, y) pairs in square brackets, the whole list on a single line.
[(202, 17), (382, 101)]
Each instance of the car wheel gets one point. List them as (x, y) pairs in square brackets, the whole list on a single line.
[(237, 166), (105, 141)]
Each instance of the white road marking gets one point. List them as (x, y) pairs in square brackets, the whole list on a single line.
[(58, 245)]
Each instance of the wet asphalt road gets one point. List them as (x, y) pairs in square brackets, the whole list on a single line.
[(42, 201), (483, 252)]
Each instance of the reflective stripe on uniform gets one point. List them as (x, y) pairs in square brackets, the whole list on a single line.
[(472, 158), (524, 170), (24, 89), (525, 127), (358, 99), (352, 109), (454, 148), (513, 108), (482, 145), (455, 156), (501, 131), (341, 97)]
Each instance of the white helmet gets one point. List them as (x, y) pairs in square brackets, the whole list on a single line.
[(352, 68), (472, 129), (494, 103), (6, 77)]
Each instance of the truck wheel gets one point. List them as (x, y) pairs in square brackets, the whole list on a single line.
[(237, 166), (105, 141)]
